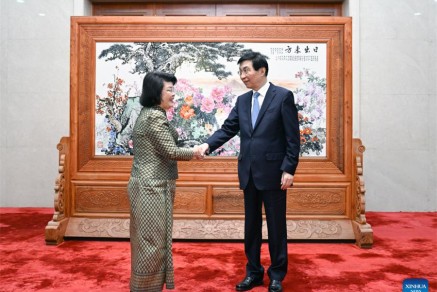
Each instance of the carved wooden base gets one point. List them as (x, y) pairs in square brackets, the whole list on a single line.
[(213, 229), (325, 200), (363, 234), (55, 231), (363, 231)]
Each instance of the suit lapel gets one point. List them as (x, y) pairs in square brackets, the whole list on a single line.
[(247, 108)]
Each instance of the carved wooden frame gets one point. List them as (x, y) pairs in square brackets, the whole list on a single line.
[(331, 178), (265, 29)]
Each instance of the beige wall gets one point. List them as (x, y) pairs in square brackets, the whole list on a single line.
[(395, 94), (397, 103)]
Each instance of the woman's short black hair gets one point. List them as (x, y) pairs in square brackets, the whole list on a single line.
[(258, 60), (153, 84)]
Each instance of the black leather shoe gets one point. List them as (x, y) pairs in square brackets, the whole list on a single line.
[(275, 286), (248, 283)]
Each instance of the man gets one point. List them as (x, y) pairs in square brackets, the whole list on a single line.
[(268, 158)]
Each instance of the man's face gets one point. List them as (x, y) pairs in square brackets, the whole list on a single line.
[(251, 78)]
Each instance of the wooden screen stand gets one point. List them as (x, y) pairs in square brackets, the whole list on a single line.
[(327, 201)]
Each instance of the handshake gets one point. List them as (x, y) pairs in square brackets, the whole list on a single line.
[(200, 150)]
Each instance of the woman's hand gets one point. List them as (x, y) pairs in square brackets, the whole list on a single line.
[(198, 152)]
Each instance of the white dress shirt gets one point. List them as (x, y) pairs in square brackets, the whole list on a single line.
[(262, 94)]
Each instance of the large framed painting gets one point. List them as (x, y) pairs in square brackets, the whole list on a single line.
[(207, 89), (311, 56)]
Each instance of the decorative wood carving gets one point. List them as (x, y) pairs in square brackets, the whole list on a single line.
[(363, 231), (55, 229), (190, 200), (327, 200), (212, 229), (102, 227), (96, 198), (228, 201)]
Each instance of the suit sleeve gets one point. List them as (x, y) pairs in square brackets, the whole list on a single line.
[(165, 145), (292, 134), (230, 128)]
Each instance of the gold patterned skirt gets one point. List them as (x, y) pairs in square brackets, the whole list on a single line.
[(151, 223)]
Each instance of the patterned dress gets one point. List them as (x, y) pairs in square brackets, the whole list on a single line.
[(151, 190)]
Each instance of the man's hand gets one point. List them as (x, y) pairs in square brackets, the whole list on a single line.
[(204, 148), (286, 180), (200, 150)]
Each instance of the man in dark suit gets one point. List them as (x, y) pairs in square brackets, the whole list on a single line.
[(266, 118)]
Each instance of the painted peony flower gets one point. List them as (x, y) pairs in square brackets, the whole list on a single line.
[(187, 112), (207, 105)]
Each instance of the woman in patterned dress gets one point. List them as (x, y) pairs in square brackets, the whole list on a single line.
[(152, 184)]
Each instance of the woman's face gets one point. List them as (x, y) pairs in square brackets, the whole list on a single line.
[(167, 96)]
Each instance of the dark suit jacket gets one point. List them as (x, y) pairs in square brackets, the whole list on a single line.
[(272, 146)]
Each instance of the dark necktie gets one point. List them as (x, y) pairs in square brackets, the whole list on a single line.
[(255, 108)]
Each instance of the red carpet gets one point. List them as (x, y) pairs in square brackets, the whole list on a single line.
[(405, 247)]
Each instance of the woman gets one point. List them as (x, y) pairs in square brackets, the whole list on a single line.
[(151, 187)]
